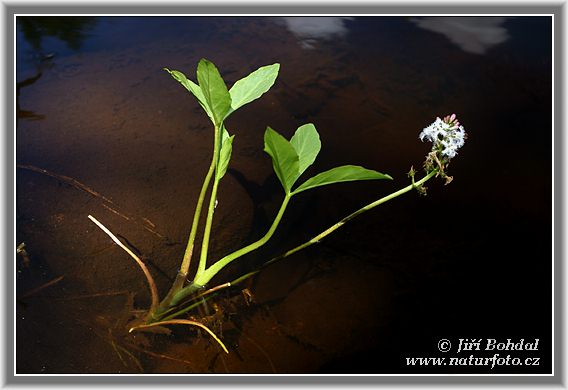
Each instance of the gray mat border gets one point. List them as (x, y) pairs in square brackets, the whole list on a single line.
[(557, 9)]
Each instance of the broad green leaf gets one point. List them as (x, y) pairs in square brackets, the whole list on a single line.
[(341, 174), (252, 86), (214, 90), (306, 142), (191, 87), (224, 155), (285, 160)]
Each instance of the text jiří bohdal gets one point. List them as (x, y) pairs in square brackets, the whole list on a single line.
[(497, 345)]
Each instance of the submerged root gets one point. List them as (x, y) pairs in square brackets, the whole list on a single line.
[(127, 346), (40, 288), (160, 355), (262, 351), (67, 180), (117, 348), (124, 347), (145, 222), (131, 341), (182, 322)]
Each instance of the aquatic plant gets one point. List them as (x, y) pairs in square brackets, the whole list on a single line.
[(290, 159)]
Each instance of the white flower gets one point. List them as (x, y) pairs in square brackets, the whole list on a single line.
[(436, 131), (427, 133), (450, 151), (446, 135)]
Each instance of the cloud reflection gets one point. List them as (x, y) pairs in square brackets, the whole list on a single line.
[(472, 34), (311, 29)]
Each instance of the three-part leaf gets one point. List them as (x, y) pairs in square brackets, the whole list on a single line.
[(212, 93), (291, 158), (341, 174), (252, 86)]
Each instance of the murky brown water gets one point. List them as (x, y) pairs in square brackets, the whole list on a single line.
[(470, 260)]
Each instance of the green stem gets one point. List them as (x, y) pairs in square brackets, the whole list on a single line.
[(215, 268), (339, 224), (207, 231), (184, 269), (212, 203), (204, 277), (188, 308)]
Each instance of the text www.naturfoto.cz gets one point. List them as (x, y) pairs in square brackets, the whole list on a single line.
[(493, 361)]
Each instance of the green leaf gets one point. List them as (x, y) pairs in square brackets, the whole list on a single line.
[(214, 90), (285, 160), (306, 142), (341, 174), (224, 155), (224, 134), (191, 87), (252, 86)]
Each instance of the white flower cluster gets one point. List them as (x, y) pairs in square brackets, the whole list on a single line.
[(446, 134)]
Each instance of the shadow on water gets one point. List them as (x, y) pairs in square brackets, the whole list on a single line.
[(118, 139)]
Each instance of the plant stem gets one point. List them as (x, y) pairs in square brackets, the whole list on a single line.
[(204, 277), (215, 268), (207, 230), (151, 283), (199, 300), (189, 290), (209, 273), (184, 269), (339, 224)]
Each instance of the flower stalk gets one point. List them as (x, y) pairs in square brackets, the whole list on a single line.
[(316, 239)]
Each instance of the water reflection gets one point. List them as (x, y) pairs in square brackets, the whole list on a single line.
[(311, 29), (70, 29), (44, 63), (26, 114), (472, 34), (35, 29)]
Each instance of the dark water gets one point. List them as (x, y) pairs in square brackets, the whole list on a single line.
[(470, 260)]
